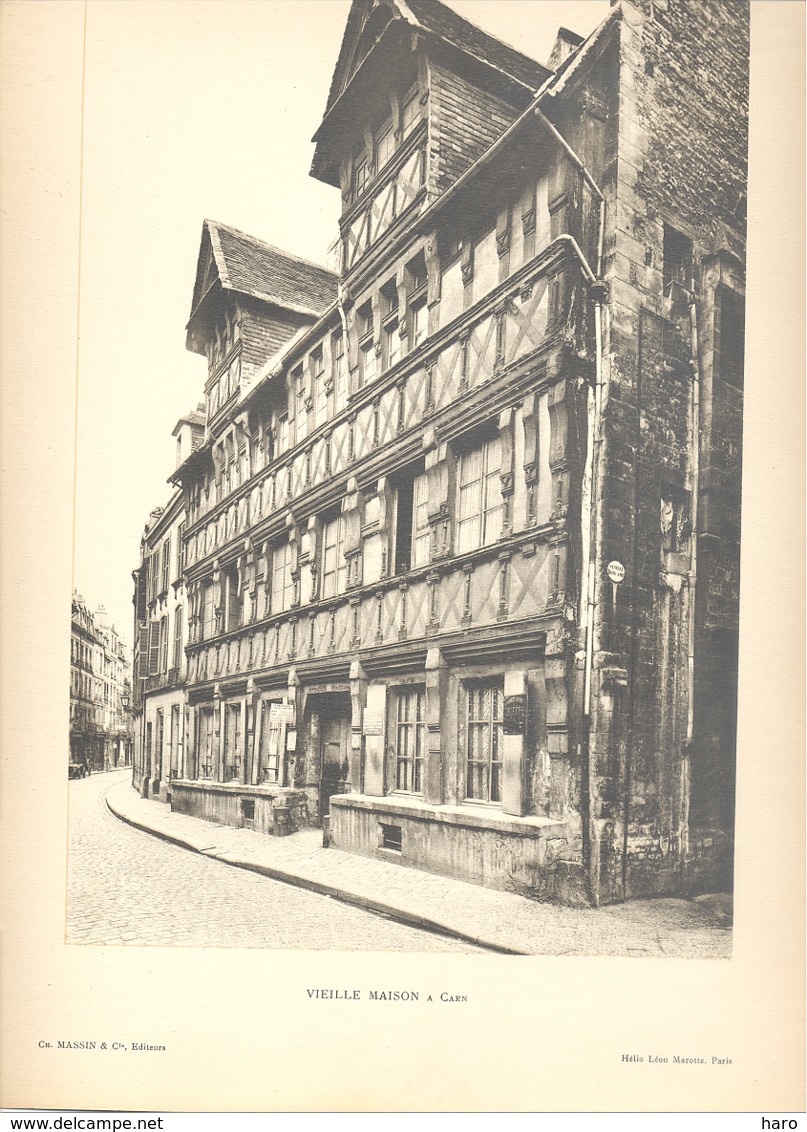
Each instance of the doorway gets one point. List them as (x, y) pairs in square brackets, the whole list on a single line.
[(334, 738)]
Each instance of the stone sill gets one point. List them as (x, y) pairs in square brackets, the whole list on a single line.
[(471, 817), (264, 790)]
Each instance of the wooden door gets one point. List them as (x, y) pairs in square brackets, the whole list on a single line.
[(335, 752)]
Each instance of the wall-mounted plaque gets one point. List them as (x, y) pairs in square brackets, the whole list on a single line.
[(373, 722), (515, 715), (280, 713)]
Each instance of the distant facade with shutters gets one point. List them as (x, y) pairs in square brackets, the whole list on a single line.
[(100, 691), (459, 526)]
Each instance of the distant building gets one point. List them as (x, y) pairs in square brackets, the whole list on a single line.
[(160, 711), (461, 527), (100, 691)]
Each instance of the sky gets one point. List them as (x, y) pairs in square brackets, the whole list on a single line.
[(195, 109)]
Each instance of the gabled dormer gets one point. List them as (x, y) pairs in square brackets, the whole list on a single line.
[(418, 94), (249, 299)]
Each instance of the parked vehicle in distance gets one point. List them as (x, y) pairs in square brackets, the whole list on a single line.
[(76, 770)]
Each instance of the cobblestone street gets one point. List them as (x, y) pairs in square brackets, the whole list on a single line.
[(127, 887)]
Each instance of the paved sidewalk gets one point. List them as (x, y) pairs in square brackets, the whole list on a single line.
[(501, 921)]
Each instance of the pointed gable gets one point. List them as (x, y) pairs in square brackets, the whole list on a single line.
[(373, 22), (243, 263), (282, 290), (365, 25)]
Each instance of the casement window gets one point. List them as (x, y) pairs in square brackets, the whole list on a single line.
[(180, 551), (166, 561), (410, 112), (410, 739), (361, 175), (175, 736), (484, 712), (417, 309), (334, 568), (206, 753), (340, 373), (384, 144), (283, 433), (208, 612), (270, 745), (164, 644), (299, 393), (412, 530), (390, 334), (317, 364), (232, 598), (416, 275), (421, 531), (159, 741), (282, 581), (232, 742), (677, 264), (367, 354), (178, 637), (418, 323), (479, 510)]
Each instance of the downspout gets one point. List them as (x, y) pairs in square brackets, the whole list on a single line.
[(692, 580), (695, 487)]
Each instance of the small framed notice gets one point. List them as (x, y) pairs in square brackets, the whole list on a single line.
[(515, 715)]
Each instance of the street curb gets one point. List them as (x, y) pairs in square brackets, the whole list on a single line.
[(368, 903)]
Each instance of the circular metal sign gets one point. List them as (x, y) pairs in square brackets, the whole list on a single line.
[(615, 572)]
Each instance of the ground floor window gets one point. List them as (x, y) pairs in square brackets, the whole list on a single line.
[(232, 742), (410, 739), (270, 742), (206, 756), (485, 702)]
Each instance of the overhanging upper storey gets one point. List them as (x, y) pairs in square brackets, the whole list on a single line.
[(417, 96)]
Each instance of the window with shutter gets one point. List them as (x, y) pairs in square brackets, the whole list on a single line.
[(180, 550), (479, 497), (334, 567), (165, 565), (143, 651), (178, 637), (282, 581), (340, 372), (154, 647)]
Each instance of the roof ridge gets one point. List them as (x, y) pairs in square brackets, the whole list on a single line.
[(271, 247), (487, 35)]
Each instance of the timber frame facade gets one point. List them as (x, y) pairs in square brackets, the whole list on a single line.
[(461, 538)]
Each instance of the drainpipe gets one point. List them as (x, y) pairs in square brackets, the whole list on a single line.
[(695, 487), (695, 409)]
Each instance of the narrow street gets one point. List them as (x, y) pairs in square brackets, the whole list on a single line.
[(128, 887)]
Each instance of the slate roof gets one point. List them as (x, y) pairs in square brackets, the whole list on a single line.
[(437, 19), (253, 267), (448, 25)]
